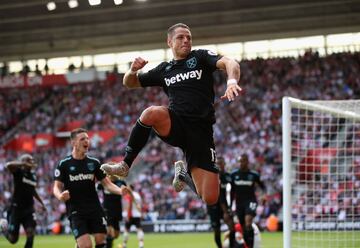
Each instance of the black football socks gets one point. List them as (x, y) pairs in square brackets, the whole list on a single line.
[(138, 139)]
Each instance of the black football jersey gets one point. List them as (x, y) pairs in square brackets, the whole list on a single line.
[(112, 202), (188, 84), (78, 177), (243, 185), (24, 188)]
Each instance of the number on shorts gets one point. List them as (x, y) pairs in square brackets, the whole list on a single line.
[(213, 155)]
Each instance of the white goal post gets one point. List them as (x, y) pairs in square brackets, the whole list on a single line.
[(321, 173)]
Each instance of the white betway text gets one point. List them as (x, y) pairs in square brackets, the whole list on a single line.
[(81, 177), (183, 76)]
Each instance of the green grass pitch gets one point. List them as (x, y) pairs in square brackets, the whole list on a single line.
[(197, 240), (176, 240)]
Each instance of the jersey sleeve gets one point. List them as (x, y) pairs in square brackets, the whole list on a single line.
[(210, 58), (59, 172), (99, 174), (152, 77)]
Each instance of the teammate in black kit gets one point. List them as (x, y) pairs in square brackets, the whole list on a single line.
[(113, 209), (187, 121), (75, 185), (221, 209), (21, 211), (243, 182)]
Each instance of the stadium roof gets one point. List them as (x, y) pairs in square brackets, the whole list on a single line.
[(28, 30)]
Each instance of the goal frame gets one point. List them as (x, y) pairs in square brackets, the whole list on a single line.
[(287, 104)]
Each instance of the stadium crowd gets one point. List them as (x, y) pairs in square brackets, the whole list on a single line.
[(251, 124)]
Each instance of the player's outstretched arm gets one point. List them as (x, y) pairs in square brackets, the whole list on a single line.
[(232, 69), (113, 188), (131, 79)]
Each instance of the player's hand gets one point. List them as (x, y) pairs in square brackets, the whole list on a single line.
[(232, 90), (65, 195), (138, 64), (125, 190)]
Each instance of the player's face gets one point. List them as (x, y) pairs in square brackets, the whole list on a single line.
[(81, 142), (180, 43), (244, 162)]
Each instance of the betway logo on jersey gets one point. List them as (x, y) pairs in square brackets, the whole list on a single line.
[(28, 181), (243, 182), (183, 76), (81, 177)]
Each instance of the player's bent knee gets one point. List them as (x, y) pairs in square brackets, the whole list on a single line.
[(210, 199), (152, 114)]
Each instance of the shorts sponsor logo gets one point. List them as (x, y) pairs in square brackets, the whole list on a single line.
[(196, 74), (81, 177)]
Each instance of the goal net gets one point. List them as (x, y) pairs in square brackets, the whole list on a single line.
[(321, 173)]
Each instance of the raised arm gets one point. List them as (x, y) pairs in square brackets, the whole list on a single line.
[(131, 79), (12, 166), (232, 69)]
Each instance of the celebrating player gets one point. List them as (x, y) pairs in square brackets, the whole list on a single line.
[(21, 210), (187, 121), (243, 182), (75, 185)]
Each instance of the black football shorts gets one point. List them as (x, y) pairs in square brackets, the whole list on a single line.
[(196, 140)]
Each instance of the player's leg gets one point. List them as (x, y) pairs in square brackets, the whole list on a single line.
[(214, 213), (140, 232), (249, 231), (97, 225), (250, 213), (257, 236), (100, 240), (156, 117), (201, 157), (29, 224), (113, 230), (207, 184), (126, 233), (229, 221), (12, 233), (110, 235), (84, 241)]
